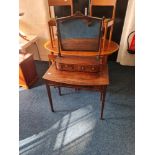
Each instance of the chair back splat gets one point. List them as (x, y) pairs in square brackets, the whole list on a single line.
[(52, 21), (108, 22), (60, 3)]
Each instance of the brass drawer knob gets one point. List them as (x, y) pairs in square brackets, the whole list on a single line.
[(93, 68), (82, 68)]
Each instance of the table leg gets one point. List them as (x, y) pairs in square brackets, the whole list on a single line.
[(49, 96), (59, 89), (101, 96), (103, 93), (37, 50)]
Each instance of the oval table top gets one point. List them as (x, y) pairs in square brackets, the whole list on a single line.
[(110, 47)]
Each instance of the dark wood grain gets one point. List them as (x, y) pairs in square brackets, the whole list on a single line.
[(27, 70), (79, 64), (80, 44)]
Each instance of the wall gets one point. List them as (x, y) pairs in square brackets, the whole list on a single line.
[(35, 21)]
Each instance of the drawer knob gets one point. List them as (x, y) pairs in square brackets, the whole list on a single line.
[(82, 68), (93, 68)]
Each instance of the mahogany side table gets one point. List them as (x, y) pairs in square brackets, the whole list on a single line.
[(80, 80)]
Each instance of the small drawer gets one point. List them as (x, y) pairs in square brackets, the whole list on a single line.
[(82, 68), (66, 67), (92, 68)]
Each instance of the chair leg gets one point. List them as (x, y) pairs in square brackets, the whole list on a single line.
[(111, 30)]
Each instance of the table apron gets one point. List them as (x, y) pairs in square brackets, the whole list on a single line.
[(95, 88)]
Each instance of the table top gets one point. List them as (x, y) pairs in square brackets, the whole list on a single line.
[(23, 57), (78, 78), (24, 43), (110, 47)]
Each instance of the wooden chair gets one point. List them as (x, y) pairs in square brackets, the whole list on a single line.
[(60, 3), (52, 22), (107, 22)]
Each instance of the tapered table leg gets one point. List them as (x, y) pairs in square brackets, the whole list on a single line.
[(103, 100), (101, 96), (59, 89), (49, 96)]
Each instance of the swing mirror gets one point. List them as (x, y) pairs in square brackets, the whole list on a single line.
[(79, 33)]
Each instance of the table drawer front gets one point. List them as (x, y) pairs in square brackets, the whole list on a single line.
[(65, 67), (89, 68), (78, 68)]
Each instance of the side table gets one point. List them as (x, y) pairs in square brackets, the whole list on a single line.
[(80, 80), (27, 70), (24, 44)]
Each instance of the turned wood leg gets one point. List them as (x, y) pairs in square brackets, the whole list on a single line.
[(49, 96), (59, 89), (103, 100)]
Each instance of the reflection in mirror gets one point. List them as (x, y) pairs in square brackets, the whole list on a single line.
[(79, 33)]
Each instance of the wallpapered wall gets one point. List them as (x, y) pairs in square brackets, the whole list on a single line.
[(34, 21)]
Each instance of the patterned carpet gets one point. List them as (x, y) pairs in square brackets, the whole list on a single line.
[(75, 127)]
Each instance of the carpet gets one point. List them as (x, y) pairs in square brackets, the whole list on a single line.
[(75, 127)]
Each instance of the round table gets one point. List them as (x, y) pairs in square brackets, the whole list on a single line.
[(109, 48)]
